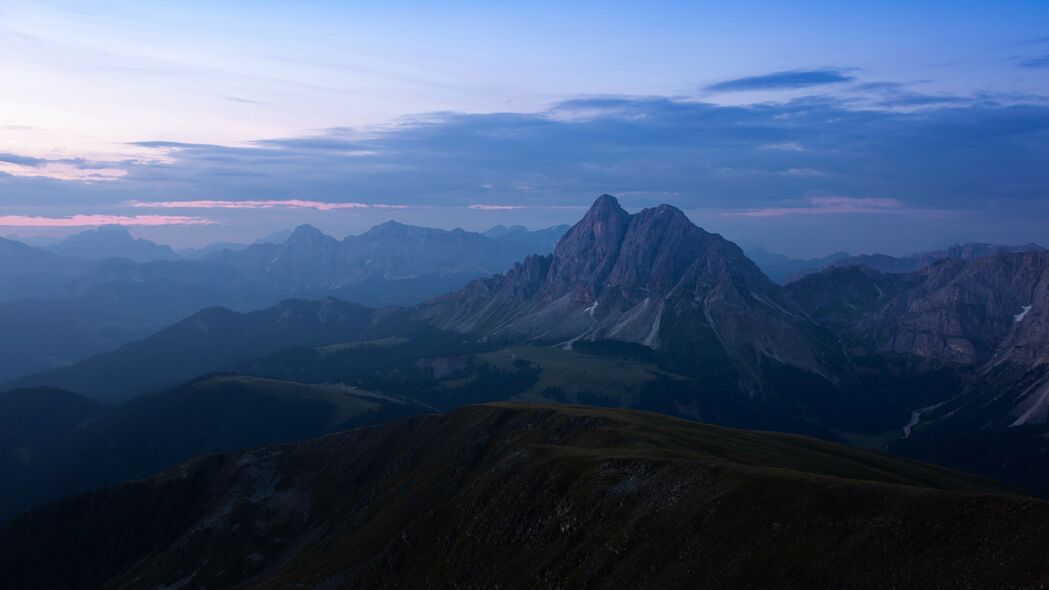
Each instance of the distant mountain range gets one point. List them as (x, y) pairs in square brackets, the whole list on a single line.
[(111, 241), (116, 288), (783, 269), (540, 241), (519, 496)]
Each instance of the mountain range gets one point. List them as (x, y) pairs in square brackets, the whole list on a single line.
[(536, 496), (646, 311), (111, 241), (785, 270), (83, 307), (887, 360)]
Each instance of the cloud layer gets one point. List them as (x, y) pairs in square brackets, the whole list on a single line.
[(788, 80), (783, 161), (97, 220)]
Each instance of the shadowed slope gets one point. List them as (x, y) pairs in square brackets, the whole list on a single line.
[(536, 496)]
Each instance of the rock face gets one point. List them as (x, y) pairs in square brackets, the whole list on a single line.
[(952, 311), (652, 278), (988, 318), (512, 496)]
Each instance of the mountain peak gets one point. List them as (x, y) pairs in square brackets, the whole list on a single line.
[(111, 230), (112, 241), (604, 206), (306, 231), (666, 213)]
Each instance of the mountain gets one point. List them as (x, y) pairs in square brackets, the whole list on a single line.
[(37, 336), (34, 424), (516, 496), (27, 272), (88, 307), (34, 241), (652, 278), (951, 311), (209, 249), (967, 341), (388, 258), (969, 252), (63, 443), (782, 269), (540, 241), (112, 241), (213, 339), (276, 237)]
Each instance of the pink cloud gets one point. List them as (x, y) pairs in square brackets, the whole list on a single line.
[(828, 205), (63, 171), (495, 207), (94, 220), (260, 204)]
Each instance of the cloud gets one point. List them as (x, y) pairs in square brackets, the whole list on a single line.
[(490, 207), (826, 206), (1035, 62), (787, 80), (93, 220), (317, 205), (59, 169), (954, 155), (21, 160), (257, 204), (243, 100)]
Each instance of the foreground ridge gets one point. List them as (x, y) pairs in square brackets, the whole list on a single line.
[(519, 496)]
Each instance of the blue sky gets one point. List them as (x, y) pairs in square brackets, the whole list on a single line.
[(806, 126)]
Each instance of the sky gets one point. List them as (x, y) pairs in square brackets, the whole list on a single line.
[(806, 127)]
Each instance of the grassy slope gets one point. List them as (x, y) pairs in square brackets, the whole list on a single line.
[(514, 495), (212, 414)]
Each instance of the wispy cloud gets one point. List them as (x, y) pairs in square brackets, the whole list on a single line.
[(243, 100), (827, 205), (95, 220), (1035, 62), (959, 155), (490, 207), (60, 169), (782, 81), (262, 204), (19, 160)]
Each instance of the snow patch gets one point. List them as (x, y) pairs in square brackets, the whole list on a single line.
[(916, 417), (653, 334), (1023, 313), (590, 310), (1037, 408)]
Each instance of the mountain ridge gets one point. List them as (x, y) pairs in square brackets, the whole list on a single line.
[(513, 495)]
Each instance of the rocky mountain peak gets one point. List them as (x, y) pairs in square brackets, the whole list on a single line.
[(653, 278), (586, 254), (306, 232)]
